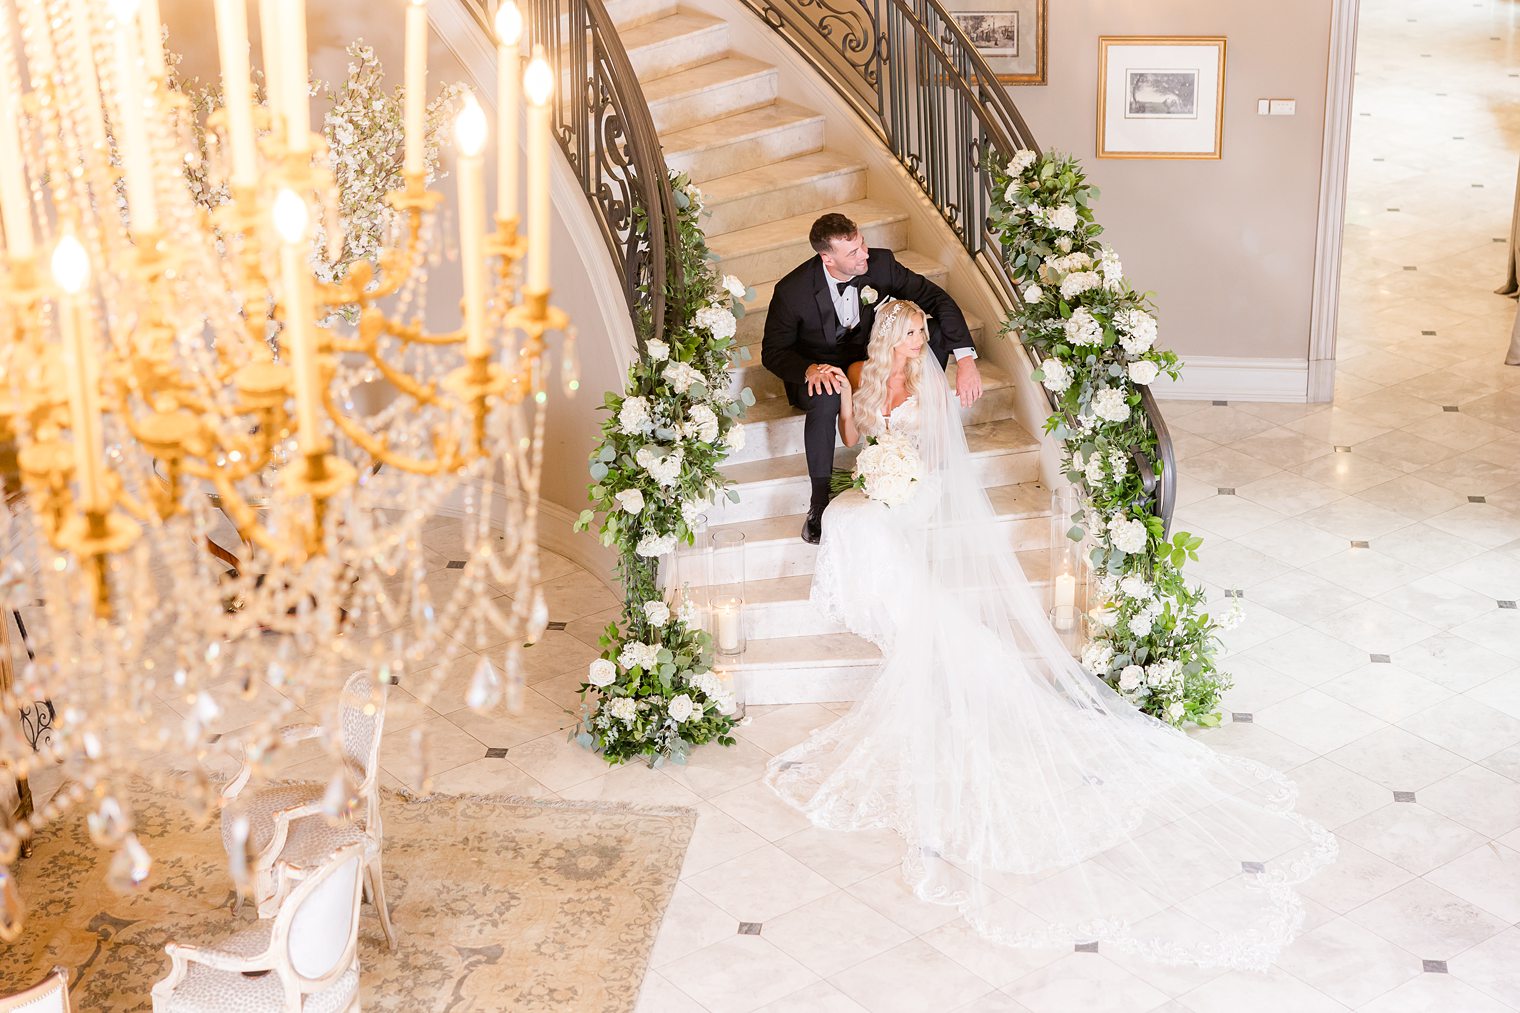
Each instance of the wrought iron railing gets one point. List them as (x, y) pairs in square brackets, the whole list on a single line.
[(604, 128), (910, 72)]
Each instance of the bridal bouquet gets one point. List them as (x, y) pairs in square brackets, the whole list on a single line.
[(888, 469)]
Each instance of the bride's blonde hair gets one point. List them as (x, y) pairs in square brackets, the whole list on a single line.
[(893, 321)]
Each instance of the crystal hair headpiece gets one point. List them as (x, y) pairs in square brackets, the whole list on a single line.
[(892, 307)]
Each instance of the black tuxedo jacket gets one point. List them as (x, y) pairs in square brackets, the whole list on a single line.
[(801, 327)]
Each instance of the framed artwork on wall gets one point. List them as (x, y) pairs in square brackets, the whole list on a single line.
[(1160, 96), (1009, 33)]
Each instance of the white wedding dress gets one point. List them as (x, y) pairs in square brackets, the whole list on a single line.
[(1028, 793)]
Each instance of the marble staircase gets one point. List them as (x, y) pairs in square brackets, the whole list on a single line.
[(767, 171)]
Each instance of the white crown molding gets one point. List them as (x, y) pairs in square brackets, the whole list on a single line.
[(1339, 86), (1223, 378)]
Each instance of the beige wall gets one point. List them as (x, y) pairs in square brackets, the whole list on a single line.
[(1227, 246)]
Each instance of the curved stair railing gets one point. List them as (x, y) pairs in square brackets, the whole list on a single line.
[(603, 126), (908, 69)]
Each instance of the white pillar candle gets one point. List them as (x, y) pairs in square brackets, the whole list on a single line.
[(269, 49), (470, 134), (71, 272), (153, 40), (132, 131), (415, 85), (508, 106), (1066, 590), (298, 340), (727, 617), (293, 86), (538, 83), (232, 45), (15, 194)]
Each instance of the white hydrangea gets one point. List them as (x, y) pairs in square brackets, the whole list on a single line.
[(1057, 376), (602, 673), (704, 423), (680, 707), (1118, 463), (1075, 284), (631, 500), (1137, 587), (1083, 328), (638, 655), (1137, 330), (1097, 658), (693, 509), (657, 612), (1105, 615), (1140, 623), (634, 418), (734, 438), (1128, 536), (681, 375), (708, 684), (664, 470), (653, 546), (1107, 583), (658, 350), (1069, 263), (1064, 244), (717, 320), (687, 613), (1142, 371), (1175, 710), (1022, 159), (733, 286), (1162, 674), (623, 709), (1064, 218), (1093, 469), (1132, 678), (1112, 268), (1032, 294), (1110, 404)]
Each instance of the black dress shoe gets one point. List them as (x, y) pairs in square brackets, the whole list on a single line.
[(812, 528)]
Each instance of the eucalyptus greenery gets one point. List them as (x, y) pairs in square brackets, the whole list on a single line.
[(653, 692), (1152, 639)]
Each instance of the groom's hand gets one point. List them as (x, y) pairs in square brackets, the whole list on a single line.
[(825, 379), (968, 382)]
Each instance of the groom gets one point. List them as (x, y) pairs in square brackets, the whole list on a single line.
[(819, 323)]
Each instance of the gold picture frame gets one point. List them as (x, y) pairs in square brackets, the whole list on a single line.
[(1010, 34), (1158, 96)]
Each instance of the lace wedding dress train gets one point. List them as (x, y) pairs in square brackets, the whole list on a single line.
[(1029, 794)]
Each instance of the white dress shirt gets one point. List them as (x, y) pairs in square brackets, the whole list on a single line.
[(847, 307)]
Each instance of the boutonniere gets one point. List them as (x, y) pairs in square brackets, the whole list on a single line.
[(867, 295)]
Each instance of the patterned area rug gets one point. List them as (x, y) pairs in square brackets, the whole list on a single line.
[(499, 904)]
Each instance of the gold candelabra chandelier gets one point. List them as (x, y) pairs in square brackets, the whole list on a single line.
[(171, 379)]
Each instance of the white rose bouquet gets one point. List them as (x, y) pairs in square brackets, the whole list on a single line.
[(888, 469)]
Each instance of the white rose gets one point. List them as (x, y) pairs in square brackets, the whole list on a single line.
[(657, 612), (658, 350), (1021, 160), (1083, 329), (1136, 587), (1033, 293), (734, 438), (623, 708), (1057, 376), (1140, 623), (1064, 244), (1142, 371), (1063, 218), (1176, 710), (631, 500), (733, 286), (1110, 404), (602, 673), (1105, 615), (868, 295), (1011, 195), (1128, 536), (1131, 678), (680, 708)]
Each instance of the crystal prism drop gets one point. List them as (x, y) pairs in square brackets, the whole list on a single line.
[(485, 688), (129, 866), (342, 795), (422, 760), (538, 617), (514, 682), (110, 822), (12, 912)]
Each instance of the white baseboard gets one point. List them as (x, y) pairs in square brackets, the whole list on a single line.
[(556, 533), (1221, 378)]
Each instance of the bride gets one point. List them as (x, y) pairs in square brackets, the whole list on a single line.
[(1028, 793)]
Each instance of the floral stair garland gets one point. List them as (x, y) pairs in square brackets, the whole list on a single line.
[(653, 692), (1152, 638)]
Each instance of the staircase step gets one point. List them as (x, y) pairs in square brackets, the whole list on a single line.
[(744, 140), (784, 188), (766, 252), (709, 92), (773, 428), (629, 13), (752, 324), (806, 669), (781, 607), (680, 40), (1003, 455)]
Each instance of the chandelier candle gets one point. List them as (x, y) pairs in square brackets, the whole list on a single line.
[(470, 135), (153, 40), (293, 89), (83, 65), (290, 219), (232, 45), (71, 272), (509, 26), (416, 86), (142, 202), (15, 200), (538, 83), (274, 72)]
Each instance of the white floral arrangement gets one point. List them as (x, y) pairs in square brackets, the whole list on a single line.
[(888, 469), (653, 693), (1153, 639)]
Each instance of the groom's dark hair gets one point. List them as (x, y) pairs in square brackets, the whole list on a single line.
[(830, 227)]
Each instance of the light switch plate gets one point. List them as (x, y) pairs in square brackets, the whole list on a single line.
[(1263, 107), (1284, 107)]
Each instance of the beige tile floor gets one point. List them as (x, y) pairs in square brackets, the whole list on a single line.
[(1376, 542)]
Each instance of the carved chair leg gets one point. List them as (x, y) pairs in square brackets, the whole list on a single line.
[(375, 885)]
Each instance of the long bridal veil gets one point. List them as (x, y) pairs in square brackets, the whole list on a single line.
[(1029, 794)]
